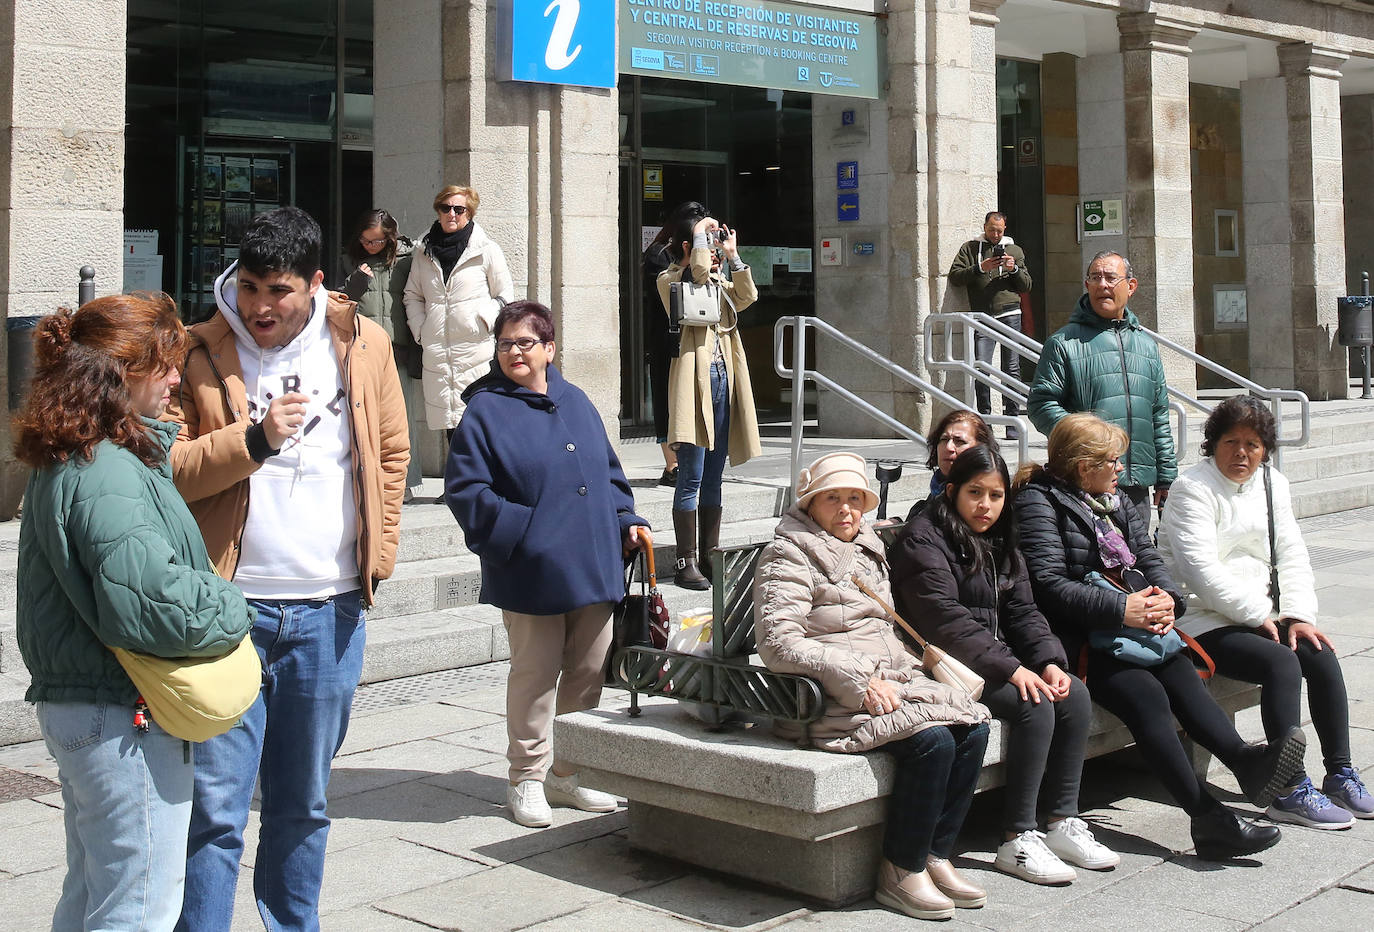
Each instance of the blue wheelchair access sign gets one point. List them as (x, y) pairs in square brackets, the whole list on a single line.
[(563, 42), (847, 206)]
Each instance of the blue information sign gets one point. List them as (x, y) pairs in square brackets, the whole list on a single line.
[(847, 176), (847, 206), (863, 249), (563, 42)]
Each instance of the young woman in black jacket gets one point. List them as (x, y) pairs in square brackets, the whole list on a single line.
[(1073, 524), (958, 577)]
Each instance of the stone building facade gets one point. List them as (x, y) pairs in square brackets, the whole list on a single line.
[(1236, 134)]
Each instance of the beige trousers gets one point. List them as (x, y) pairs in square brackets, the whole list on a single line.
[(555, 667)]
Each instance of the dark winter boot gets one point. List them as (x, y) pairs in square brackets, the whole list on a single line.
[(685, 527), (708, 529)]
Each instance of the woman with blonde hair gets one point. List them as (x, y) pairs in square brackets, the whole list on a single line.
[(458, 283), (1108, 594), (109, 556)]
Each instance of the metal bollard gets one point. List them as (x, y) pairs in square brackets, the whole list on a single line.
[(86, 290)]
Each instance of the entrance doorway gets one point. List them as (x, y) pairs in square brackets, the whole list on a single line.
[(746, 154)]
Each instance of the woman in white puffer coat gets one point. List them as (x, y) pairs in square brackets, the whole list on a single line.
[(458, 283)]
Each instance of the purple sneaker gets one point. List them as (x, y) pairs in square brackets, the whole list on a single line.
[(1306, 805), (1346, 788)]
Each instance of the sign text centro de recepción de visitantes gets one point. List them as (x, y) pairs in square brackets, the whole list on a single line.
[(758, 44)]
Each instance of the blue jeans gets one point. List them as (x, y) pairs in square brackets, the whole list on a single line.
[(312, 654), (126, 801), (699, 470)]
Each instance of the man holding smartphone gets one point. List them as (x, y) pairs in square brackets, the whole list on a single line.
[(992, 269)]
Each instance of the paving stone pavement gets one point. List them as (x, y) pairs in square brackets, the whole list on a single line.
[(421, 838)]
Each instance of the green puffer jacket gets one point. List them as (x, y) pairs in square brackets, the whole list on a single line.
[(1111, 368), (110, 555), (380, 297)]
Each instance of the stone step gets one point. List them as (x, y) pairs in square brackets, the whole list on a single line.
[(18, 721), (1332, 494)]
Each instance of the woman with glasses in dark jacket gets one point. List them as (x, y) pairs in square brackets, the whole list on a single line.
[(1079, 535)]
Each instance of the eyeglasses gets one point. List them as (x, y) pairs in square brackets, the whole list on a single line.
[(458, 209), (525, 343), (1112, 463), (374, 242), (1111, 281)]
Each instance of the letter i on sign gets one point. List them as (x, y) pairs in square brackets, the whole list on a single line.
[(557, 54), (561, 42)]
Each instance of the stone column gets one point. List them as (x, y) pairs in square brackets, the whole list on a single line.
[(61, 165), (545, 160), (942, 177), (1158, 208), (408, 110), (1311, 79)]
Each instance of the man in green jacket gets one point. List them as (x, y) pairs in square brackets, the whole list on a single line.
[(992, 269), (1104, 362)]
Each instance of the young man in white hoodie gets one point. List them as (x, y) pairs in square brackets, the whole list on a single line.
[(292, 457)]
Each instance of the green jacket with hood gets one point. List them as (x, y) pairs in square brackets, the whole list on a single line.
[(1111, 368), (109, 556)]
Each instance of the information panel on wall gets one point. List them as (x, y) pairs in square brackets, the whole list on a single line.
[(763, 43)]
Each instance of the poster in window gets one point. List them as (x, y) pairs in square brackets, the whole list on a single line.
[(211, 222), (238, 177), (265, 182), (209, 263), (236, 217), (211, 173)]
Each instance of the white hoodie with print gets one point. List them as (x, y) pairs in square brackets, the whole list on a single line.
[(301, 534)]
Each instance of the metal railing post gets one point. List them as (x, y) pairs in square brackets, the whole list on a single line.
[(85, 291), (798, 399)]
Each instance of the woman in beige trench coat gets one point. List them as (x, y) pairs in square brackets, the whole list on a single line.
[(711, 403)]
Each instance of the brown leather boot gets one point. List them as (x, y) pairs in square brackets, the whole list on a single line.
[(685, 529), (708, 535), (911, 892), (964, 893)]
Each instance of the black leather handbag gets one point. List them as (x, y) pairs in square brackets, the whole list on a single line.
[(639, 619)]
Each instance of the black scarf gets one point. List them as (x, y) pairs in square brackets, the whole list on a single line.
[(447, 248)]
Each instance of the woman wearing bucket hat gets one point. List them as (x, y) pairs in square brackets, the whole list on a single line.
[(814, 615)]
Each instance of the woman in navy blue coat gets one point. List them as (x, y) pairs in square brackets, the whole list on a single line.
[(542, 500)]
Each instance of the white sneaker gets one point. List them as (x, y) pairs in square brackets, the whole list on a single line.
[(1028, 857), (566, 791), (528, 805), (1073, 841)]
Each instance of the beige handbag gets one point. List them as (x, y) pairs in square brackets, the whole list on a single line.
[(196, 698), (940, 665)]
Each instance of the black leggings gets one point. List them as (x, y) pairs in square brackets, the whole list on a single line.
[(1249, 655), (1045, 746), (937, 771), (1148, 699)]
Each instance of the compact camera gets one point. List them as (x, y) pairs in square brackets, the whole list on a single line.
[(998, 251), (721, 235)]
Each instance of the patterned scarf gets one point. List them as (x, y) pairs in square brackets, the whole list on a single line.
[(937, 482), (1116, 554)]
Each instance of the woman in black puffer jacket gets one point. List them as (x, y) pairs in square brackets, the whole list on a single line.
[(957, 575), (1074, 524)]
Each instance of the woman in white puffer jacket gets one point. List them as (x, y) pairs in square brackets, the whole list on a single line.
[(1216, 534), (458, 283)]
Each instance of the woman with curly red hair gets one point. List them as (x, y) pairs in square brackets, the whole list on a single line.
[(109, 556)]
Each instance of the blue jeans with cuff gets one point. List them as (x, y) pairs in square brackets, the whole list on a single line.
[(312, 654), (126, 802), (700, 471)]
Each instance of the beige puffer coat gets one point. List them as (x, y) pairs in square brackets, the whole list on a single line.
[(812, 619)]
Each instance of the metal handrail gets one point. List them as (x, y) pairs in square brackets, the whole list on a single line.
[(1275, 396), (1008, 385), (799, 373), (1017, 390)]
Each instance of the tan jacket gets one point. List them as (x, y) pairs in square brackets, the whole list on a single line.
[(810, 618), (690, 415), (210, 459)]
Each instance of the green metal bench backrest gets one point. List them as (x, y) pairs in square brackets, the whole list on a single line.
[(732, 578)]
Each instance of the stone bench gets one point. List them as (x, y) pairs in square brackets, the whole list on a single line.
[(742, 801)]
